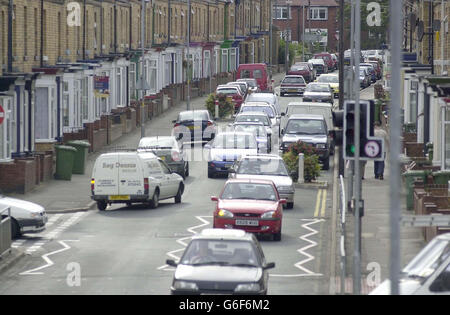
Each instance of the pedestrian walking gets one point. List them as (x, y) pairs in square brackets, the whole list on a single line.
[(379, 165)]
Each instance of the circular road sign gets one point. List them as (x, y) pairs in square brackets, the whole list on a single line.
[(2, 114), (372, 149)]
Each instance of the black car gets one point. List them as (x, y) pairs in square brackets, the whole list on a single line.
[(221, 261), (194, 125)]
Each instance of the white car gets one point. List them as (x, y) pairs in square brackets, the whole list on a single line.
[(265, 97), (264, 107), (26, 217), (227, 148)]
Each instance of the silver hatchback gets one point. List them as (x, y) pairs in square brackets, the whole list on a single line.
[(267, 167)]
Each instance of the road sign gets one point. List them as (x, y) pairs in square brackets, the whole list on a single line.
[(2, 114)]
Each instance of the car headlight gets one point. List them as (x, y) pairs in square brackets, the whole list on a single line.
[(184, 285), (225, 213), (268, 215), (285, 189), (248, 287), (34, 214)]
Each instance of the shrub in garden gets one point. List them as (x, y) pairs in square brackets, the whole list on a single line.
[(225, 106), (311, 161)]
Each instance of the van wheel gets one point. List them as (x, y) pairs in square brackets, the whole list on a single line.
[(289, 205), (326, 164), (179, 193), (15, 229), (101, 205), (155, 200)]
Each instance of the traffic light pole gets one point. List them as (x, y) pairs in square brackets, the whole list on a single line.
[(357, 190)]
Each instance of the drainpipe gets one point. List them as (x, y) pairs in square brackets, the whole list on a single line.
[(169, 17), (10, 35), (42, 34), (115, 26), (84, 30)]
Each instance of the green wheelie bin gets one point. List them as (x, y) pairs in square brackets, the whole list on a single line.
[(65, 156), (441, 177), (79, 163), (410, 177)]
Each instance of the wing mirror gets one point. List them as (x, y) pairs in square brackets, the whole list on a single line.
[(171, 262), (214, 198), (269, 266)]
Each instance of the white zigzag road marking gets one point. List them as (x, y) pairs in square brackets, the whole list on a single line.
[(182, 242), (48, 261), (299, 265)]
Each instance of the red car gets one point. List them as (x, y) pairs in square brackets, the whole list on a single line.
[(234, 92), (302, 69), (328, 59), (251, 205), (378, 69)]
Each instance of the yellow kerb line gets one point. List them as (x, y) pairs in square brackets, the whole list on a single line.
[(324, 202), (319, 194)]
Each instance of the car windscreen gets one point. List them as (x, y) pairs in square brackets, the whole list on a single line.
[(305, 127), (317, 88), (299, 68), (329, 79), (294, 80), (269, 167), (193, 115), (221, 252), (266, 109), (250, 191), (234, 141), (254, 118), (257, 130)]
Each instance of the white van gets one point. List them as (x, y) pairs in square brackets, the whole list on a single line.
[(133, 177), (310, 108)]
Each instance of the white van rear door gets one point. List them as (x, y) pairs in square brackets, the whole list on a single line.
[(105, 175), (131, 175)]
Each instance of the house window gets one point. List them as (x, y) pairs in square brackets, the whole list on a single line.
[(281, 13), (152, 77), (224, 60), (233, 54), (84, 100), (206, 63), (119, 87), (132, 80), (65, 109), (319, 14), (167, 69)]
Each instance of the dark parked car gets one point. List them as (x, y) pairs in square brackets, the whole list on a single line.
[(194, 125), (221, 261), (302, 69), (168, 149), (292, 84)]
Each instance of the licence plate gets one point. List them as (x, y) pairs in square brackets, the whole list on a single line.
[(193, 127), (293, 90), (163, 158), (119, 197), (247, 222)]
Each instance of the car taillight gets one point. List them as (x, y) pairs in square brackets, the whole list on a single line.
[(175, 156), (176, 125), (210, 123), (92, 185), (146, 186)]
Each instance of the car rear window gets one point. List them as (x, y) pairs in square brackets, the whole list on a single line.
[(257, 74), (305, 127), (234, 141), (253, 118), (298, 80), (193, 115), (246, 74), (266, 109), (227, 91)]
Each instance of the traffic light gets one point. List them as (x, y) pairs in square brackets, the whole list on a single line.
[(370, 148), (338, 123)]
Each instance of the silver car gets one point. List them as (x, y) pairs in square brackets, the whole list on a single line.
[(427, 274), (318, 92), (267, 167), (168, 149)]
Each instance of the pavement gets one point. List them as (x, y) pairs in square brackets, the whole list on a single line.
[(375, 232)]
